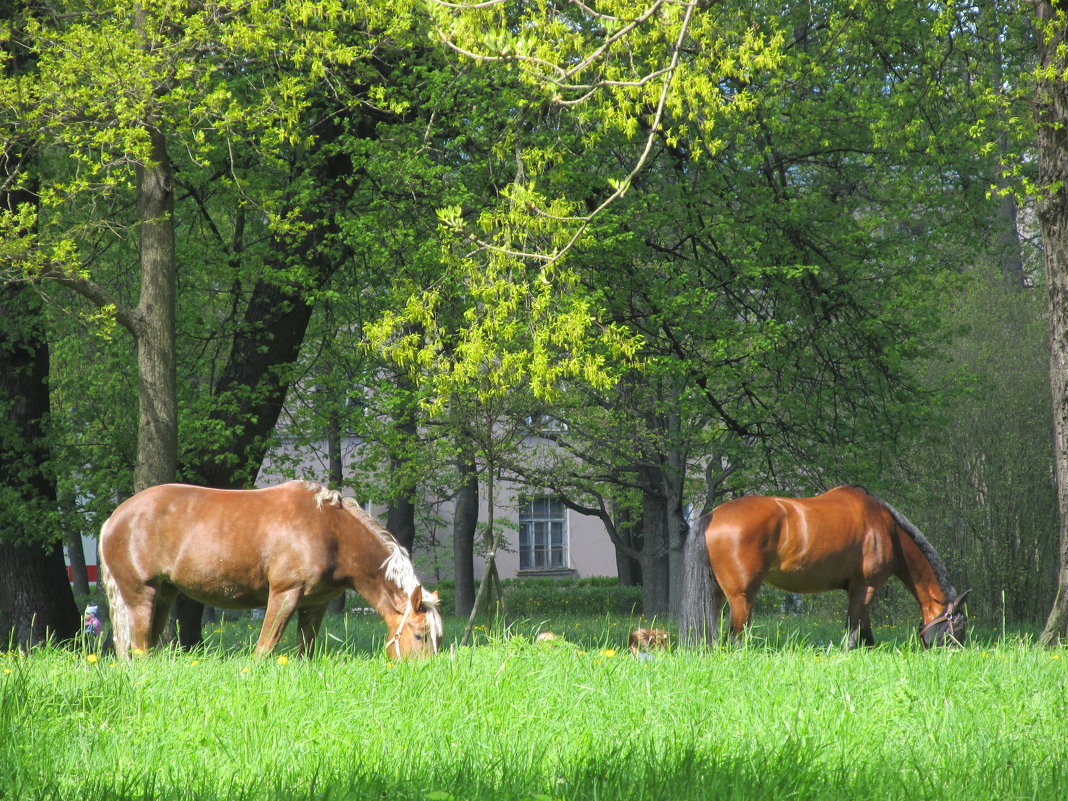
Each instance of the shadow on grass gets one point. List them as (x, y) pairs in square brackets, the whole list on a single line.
[(626, 773)]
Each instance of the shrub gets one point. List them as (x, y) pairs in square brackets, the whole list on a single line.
[(543, 597)]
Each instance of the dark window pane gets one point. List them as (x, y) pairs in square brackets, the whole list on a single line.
[(541, 534)]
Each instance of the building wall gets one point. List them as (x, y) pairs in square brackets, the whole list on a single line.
[(589, 549)]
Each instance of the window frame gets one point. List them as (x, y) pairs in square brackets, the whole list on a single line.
[(544, 535)]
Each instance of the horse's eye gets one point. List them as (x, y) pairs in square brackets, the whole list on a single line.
[(420, 637)]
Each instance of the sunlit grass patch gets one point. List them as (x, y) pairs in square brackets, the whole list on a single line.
[(788, 713), (511, 720)]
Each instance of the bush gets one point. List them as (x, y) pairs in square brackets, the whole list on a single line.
[(543, 597)]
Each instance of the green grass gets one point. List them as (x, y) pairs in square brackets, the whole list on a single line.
[(785, 717)]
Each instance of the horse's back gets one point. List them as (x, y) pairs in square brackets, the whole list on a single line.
[(187, 535), (747, 517), (799, 544), (161, 513), (744, 528)]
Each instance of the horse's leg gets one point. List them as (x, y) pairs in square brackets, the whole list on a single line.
[(741, 603), (280, 608), (860, 598), (161, 611), (139, 613), (718, 599), (739, 577), (308, 622)]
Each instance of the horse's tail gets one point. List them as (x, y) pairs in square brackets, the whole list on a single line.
[(698, 610), (117, 611)]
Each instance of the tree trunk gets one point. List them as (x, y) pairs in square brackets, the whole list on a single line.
[(79, 574), (267, 342), (1010, 253), (464, 526), (490, 585), (336, 469), (36, 602), (400, 520), (154, 330), (656, 575), (254, 382), (628, 569), (335, 465), (1051, 112), (35, 597), (157, 432), (672, 478)]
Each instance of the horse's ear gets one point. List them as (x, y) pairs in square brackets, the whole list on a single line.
[(956, 602), (417, 599)]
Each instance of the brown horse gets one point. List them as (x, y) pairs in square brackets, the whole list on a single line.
[(845, 539), (292, 548)]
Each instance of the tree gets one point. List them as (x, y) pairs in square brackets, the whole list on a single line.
[(216, 89), (984, 486), (773, 273), (1051, 114), (36, 602), (182, 79)]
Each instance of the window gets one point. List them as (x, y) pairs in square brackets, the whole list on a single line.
[(544, 424), (542, 535)]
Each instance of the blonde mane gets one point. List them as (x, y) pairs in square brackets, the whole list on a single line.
[(398, 566)]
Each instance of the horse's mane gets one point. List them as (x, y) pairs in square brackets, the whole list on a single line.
[(941, 575), (398, 565)]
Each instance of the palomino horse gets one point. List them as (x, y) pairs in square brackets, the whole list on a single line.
[(291, 548), (845, 539)]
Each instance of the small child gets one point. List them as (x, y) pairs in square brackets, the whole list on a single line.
[(644, 640), (93, 626)]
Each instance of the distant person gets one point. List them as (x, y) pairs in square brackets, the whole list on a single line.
[(93, 626)]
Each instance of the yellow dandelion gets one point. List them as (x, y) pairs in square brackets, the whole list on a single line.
[(138, 652), (1056, 656), (195, 662), (244, 670), (608, 652), (7, 671), (283, 660), (92, 659), (216, 631)]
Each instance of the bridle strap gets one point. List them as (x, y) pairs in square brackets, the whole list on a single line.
[(946, 616), (400, 627)]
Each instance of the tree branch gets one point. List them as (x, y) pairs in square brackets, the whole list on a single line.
[(99, 297)]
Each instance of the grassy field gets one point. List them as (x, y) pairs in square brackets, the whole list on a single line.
[(788, 716)]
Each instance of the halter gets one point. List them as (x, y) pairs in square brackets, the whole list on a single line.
[(944, 617), (400, 627), (948, 614)]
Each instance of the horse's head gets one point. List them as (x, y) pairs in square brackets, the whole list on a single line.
[(948, 628), (416, 629)]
